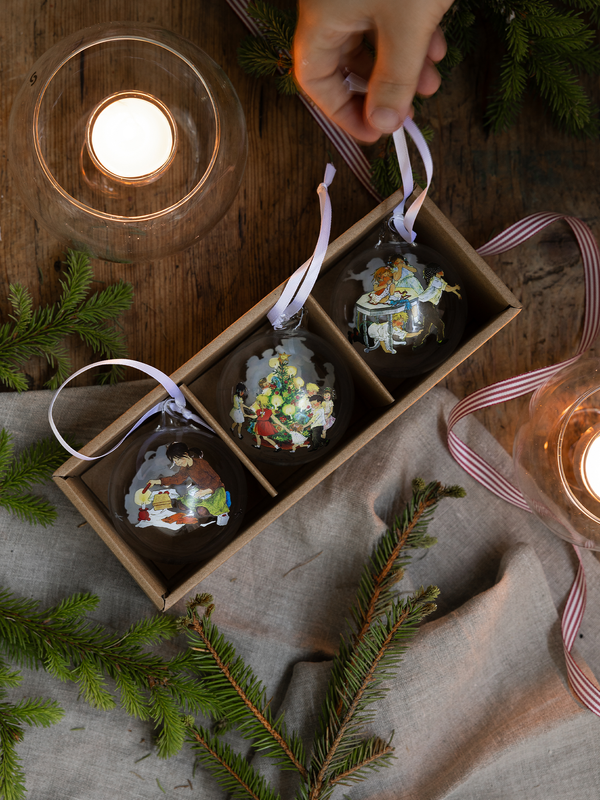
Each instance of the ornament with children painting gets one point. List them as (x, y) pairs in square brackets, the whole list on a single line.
[(288, 413)]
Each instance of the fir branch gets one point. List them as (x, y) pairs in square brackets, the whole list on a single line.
[(382, 627), (277, 25), (63, 642), (29, 508), (22, 303), (567, 100), (237, 691), (268, 55), (40, 333), (34, 465), (356, 677), (391, 556), (32, 711), (232, 772), (370, 755), (506, 104), (257, 58)]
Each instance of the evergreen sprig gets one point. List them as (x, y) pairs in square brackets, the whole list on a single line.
[(30, 711), (380, 628), (239, 695), (61, 641), (41, 333), (268, 55), (545, 45), (31, 466)]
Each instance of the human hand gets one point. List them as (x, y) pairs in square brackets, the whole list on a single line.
[(329, 43)]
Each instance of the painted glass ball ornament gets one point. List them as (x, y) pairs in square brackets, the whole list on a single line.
[(285, 396), (177, 494), (402, 306)]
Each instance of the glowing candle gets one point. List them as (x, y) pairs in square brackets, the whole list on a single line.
[(132, 137), (587, 461)]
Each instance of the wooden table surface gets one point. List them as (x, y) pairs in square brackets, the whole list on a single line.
[(482, 182)]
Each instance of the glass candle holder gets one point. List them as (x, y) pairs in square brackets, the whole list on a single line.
[(127, 141), (556, 454)]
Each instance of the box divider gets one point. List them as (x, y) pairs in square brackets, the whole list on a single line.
[(222, 434), (369, 385)]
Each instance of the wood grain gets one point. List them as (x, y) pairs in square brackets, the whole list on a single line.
[(482, 183)]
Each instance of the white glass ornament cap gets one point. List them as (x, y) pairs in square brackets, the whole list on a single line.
[(132, 136)]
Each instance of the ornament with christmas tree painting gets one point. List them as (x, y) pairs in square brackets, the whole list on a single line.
[(177, 494), (286, 396), (402, 306)]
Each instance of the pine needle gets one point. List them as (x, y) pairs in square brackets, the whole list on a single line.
[(41, 333)]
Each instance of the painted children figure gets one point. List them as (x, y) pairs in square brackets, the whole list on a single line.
[(328, 398), (264, 428), (206, 496), (317, 422), (237, 412), (298, 438)]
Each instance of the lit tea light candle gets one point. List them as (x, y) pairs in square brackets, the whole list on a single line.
[(587, 461), (132, 137)]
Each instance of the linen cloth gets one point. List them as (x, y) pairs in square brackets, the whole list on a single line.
[(480, 706)]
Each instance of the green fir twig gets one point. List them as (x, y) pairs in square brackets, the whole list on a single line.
[(18, 474), (269, 55), (61, 641), (41, 333), (380, 629)]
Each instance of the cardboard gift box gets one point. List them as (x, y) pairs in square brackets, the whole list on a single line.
[(272, 490)]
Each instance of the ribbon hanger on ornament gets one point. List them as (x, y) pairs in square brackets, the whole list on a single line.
[(301, 283), (176, 405), (403, 220)]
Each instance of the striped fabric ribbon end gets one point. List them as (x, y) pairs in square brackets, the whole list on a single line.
[(587, 692)]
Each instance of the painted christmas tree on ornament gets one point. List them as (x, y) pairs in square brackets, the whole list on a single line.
[(286, 396)]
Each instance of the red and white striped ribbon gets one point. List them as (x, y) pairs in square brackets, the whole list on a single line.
[(520, 385)]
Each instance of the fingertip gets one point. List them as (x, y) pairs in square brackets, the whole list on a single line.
[(385, 120), (437, 46), (429, 80)]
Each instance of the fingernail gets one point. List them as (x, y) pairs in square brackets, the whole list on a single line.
[(385, 120)]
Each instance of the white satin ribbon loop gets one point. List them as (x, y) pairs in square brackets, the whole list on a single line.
[(300, 285), (404, 221), (177, 398)]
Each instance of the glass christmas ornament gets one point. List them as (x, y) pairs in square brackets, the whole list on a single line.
[(177, 494), (556, 454), (127, 141), (402, 306), (285, 396)]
